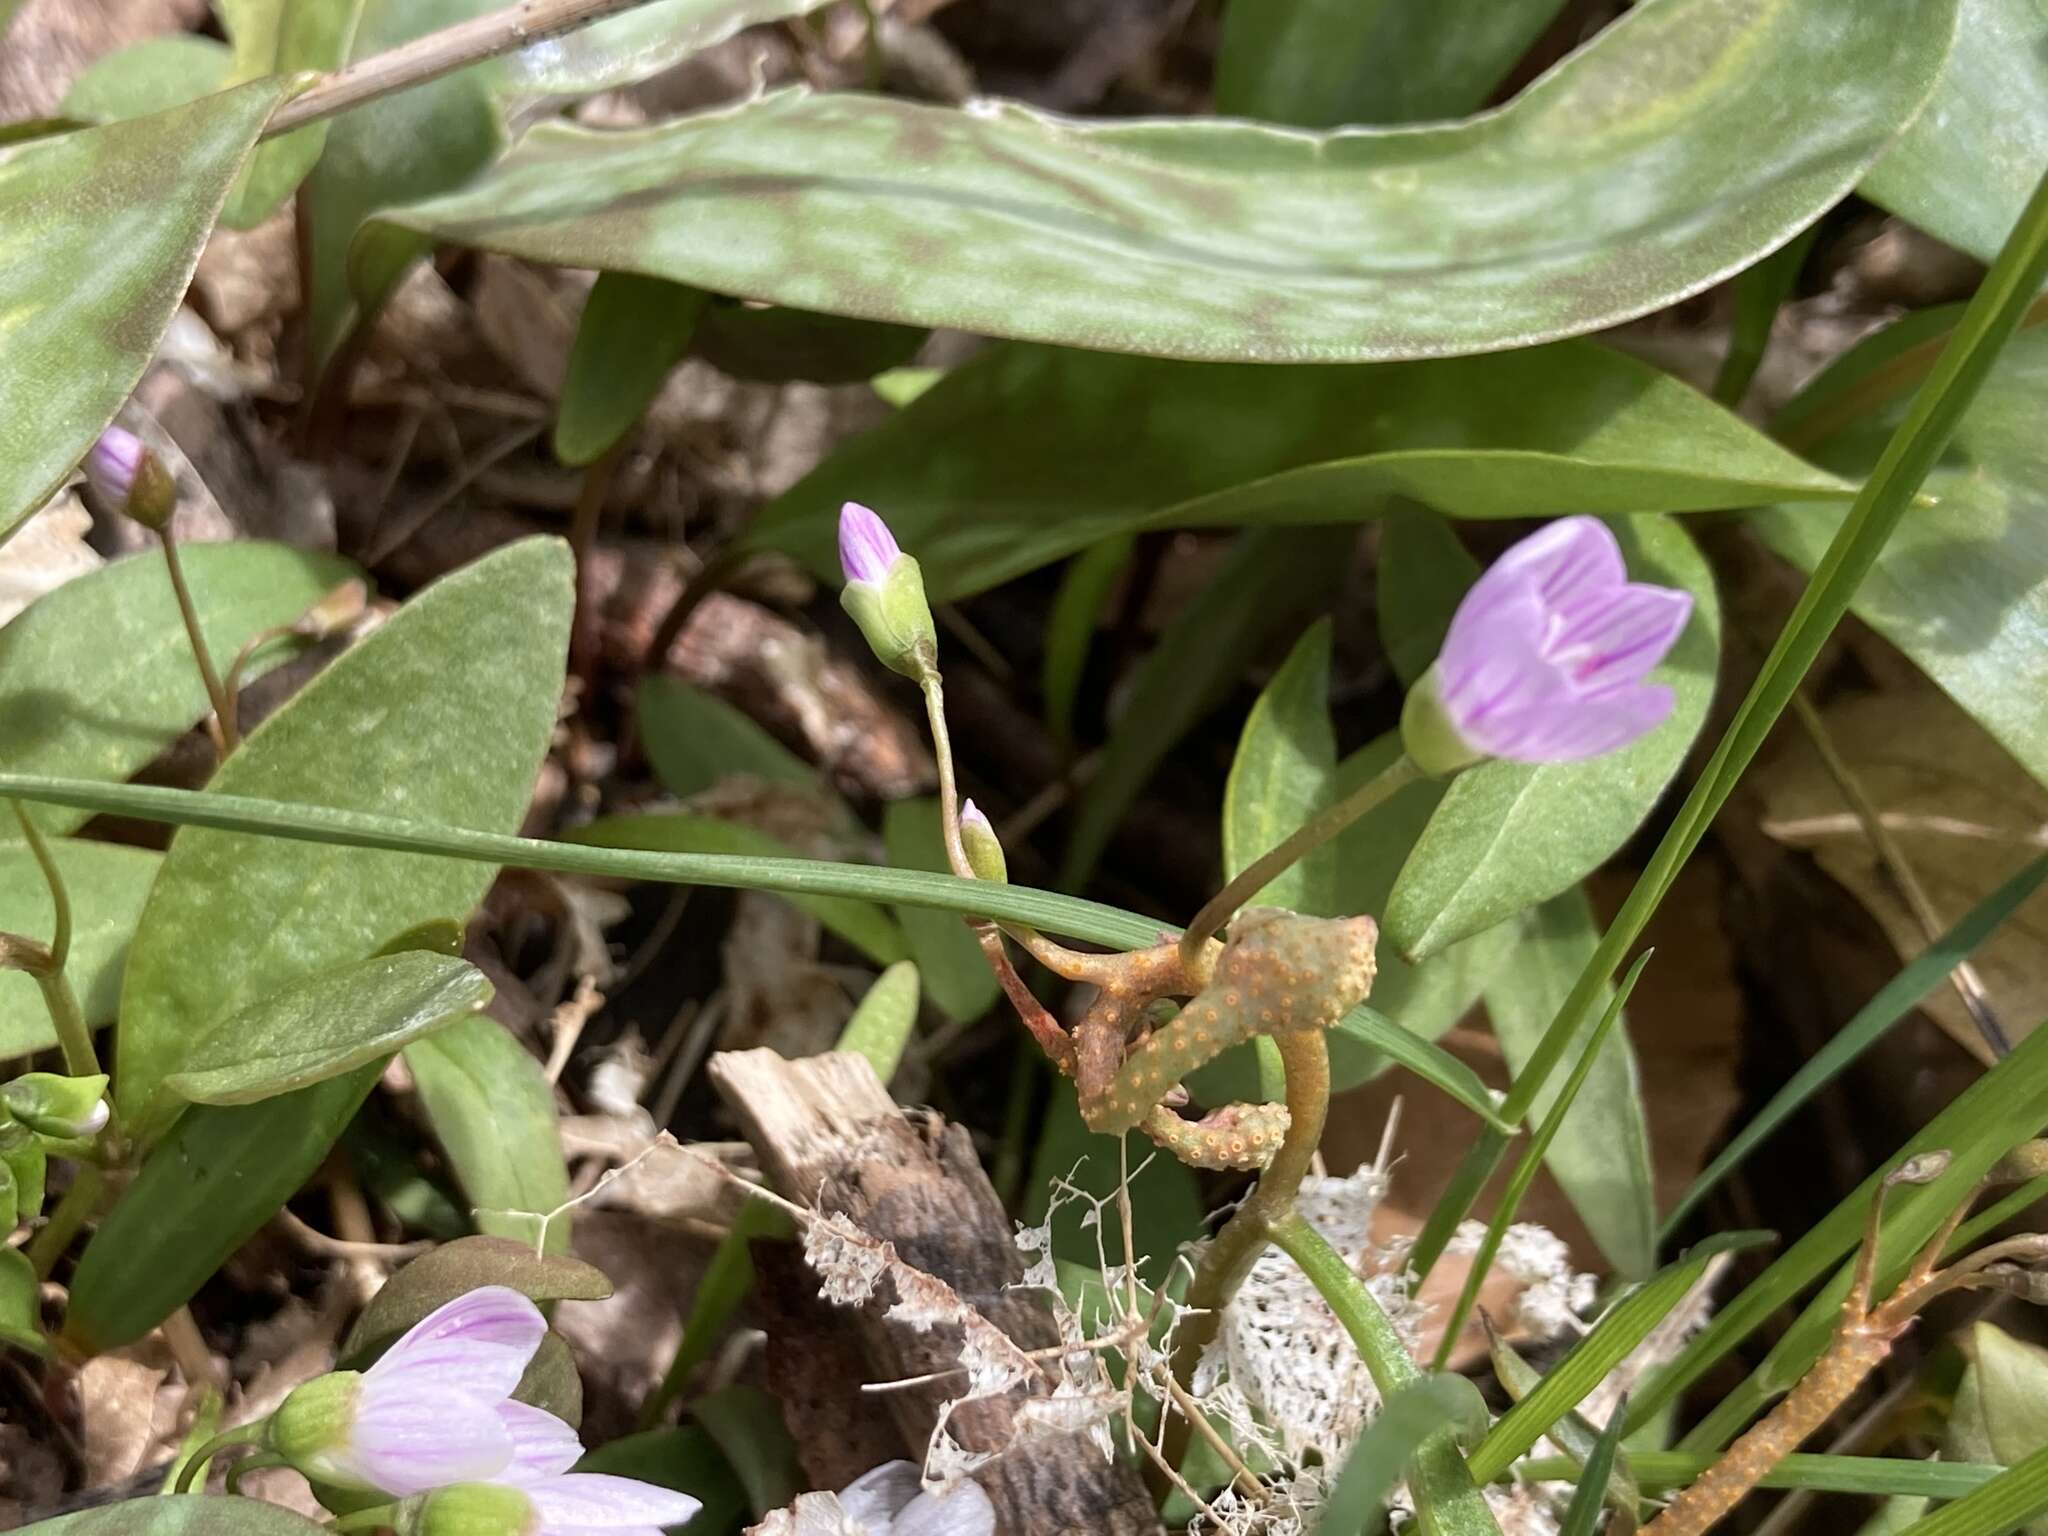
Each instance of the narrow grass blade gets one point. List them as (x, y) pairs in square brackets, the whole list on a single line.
[(1880, 1476), (2004, 1504), (1584, 1512), (1358, 1504)]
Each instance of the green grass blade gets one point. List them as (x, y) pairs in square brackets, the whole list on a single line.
[(1880, 1476), (1358, 1504), (1584, 1513), (2004, 1504), (1887, 495), (1891, 1004)]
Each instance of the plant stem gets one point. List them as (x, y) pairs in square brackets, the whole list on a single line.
[(583, 526), (949, 797), (195, 1468), (73, 1036), (80, 1201), (223, 705), (441, 53), (1311, 835)]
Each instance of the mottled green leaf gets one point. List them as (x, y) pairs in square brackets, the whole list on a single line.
[(1509, 835), (1962, 587), (1286, 760), (641, 43), (1258, 593), (632, 332), (103, 229), (108, 885), (455, 1269), (220, 1173), (443, 712), (883, 1023), (493, 1111), (284, 37), (1027, 454), (329, 1023), (97, 677), (1689, 139), (201, 1515), (1325, 63), (151, 76), (862, 924), (956, 973), (1601, 1155), (1965, 166)]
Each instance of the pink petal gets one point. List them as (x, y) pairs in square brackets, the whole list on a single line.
[(412, 1436), (482, 1339), (593, 1502), (542, 1445), (1585, 727), (875, 1497), (962, 1510), (1564, 561), (866, 546), (1621, 635)]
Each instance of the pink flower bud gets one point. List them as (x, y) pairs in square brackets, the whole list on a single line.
[(129, 479), (1546, 657), (867, 549)]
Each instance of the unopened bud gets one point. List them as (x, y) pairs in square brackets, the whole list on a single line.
[(127, 477), (467, 1509), (884, 594), (53, 1105), (337, 611), (984, 848)]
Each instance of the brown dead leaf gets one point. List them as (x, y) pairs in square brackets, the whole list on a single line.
[(128, 1411), (46, 554)]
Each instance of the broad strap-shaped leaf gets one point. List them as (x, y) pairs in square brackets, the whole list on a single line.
[(1509, 835), (284, 37), (883, 1023), (695, 738), (97, 677), (104, 227), (1962, 586), (1964, 168), (151, 76), (1687, 140), (1326, 63), (493, 1110), (331, 1022), (633, 330), (199, 1515), (444, 712), (107, 884), (643, 42), (1286, 762), (1027, 454)]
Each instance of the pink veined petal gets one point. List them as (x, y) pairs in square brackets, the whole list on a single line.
[(866, 546), (1621, 636), (1494, 643), (962, 1510), (874, 1497), (1563, 561), (1585, 727), (542, 1445), (581, 1502), (482, 1340), (410, 1436)]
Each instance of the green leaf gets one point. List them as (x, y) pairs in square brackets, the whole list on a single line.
[(956, 973), (1601, 1156), (774, 345), (1281, 776), (401, 147), (151, 76), (685, 1458), (1383, 1038), (284, 37), (882, 1025), (106, 224), (727, 1281), (747, 1424), (1572, 1434), (446, 711), (107, 885), (2010, 1500), (1269, 578), (694, 739), (642, 43), (220, 1173), (1963, 169), (1381, 1455), (1996, 1112), (1070, 627), (1620, 1329), (1166, 1204), (21, 1303), (1027, 454), (2001, 1407), (1423, 574), (455, 1269), (493, 1111), (1509, 835), (1325, 63), (633, 331), (329, 1023), (197, 1515), (1213, 239), (861, 923), (1584, 1514), (1879, 1475), (1962, 587), (97, 677), (1894, 1001)]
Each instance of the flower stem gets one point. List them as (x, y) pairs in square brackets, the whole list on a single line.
[(223, 705), (381, 1518), (949, 797), (73, 1036), (1311, 835), (80, 1201), (1379, 1344), (195, 1467)]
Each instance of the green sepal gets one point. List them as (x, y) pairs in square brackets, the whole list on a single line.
[(466, 1509), (896, 618), (1427, 735), (314, 1421), (984, 852)]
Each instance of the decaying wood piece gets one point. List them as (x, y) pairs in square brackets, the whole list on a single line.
[(829, 1135)]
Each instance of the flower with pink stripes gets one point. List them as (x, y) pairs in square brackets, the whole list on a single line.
[(1547, 657)]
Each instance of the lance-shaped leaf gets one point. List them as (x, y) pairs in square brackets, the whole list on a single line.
[(1687, 140), (107, 885), (197, 1516), (284, 37), (643, 42), (103, 229), (1028, 454)]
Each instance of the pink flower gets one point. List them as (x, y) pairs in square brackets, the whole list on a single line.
[(867, 549), (112, 464), (1546, 657), (436, 1409)]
